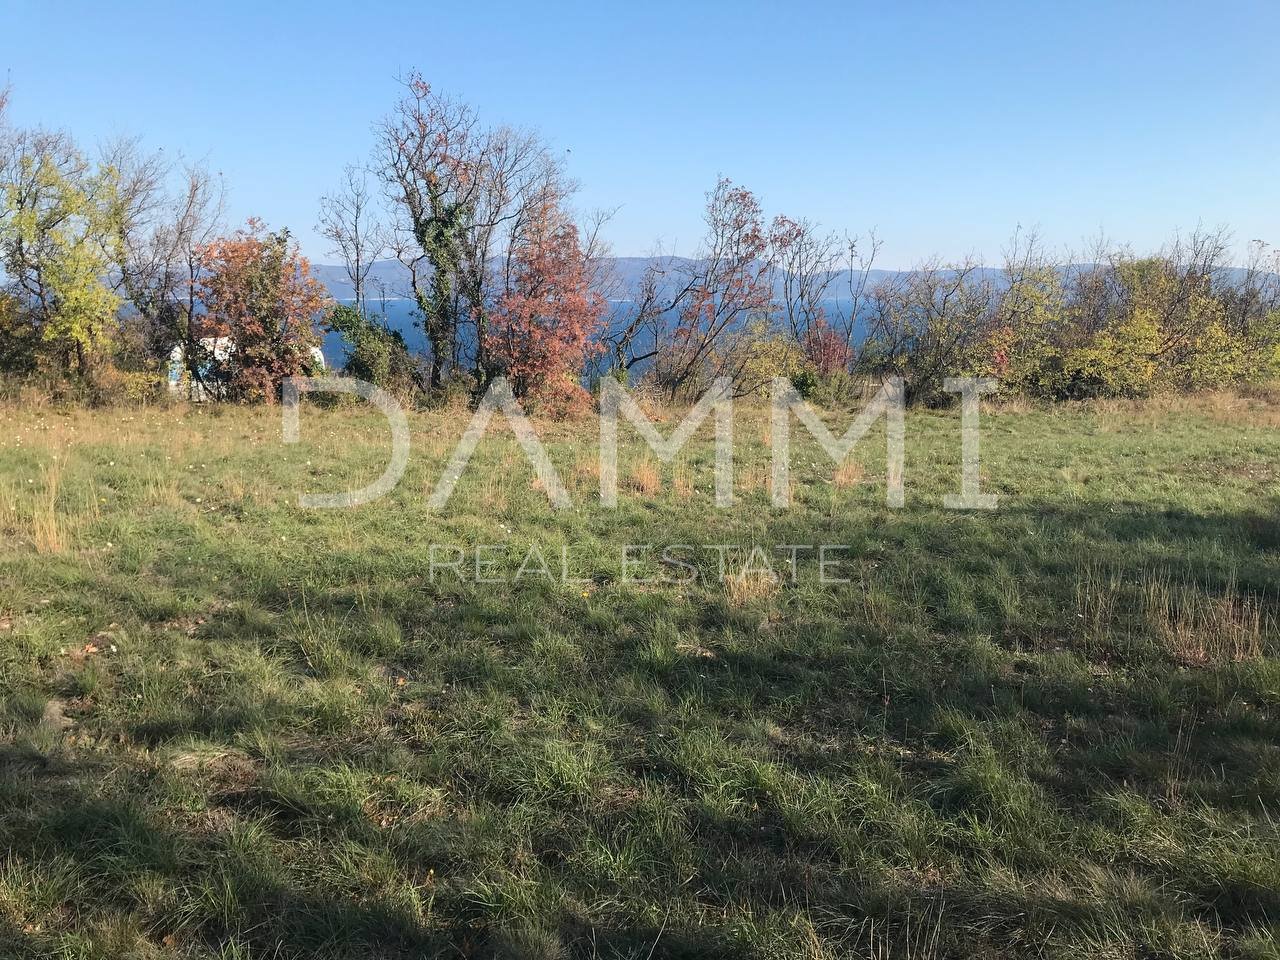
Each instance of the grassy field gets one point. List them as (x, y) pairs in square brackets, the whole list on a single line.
[(232, 727)]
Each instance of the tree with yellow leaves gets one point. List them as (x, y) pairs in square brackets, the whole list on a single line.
[(55, 211)]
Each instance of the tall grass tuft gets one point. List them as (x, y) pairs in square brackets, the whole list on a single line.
[(750, 586), (1197, 627), (1186, 620), (848, 474), (46, 526), (644, 478)]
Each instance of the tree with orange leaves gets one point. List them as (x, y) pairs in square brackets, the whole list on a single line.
[(542, 328), (258, 291)]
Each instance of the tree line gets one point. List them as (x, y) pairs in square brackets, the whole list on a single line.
[(117, 263)]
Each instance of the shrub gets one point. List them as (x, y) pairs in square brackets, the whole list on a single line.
[(1121, 361), (758, 354), (1215, 359), (110, 386), (826, 349), (560, 398), (258, 290), (1021, 360), (376, 353), (1262, 352), (19, 339), (839, 389)]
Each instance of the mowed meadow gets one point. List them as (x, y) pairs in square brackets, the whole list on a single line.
[(231, 727)]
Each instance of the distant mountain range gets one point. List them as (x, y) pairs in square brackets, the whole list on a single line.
[(390, 278)]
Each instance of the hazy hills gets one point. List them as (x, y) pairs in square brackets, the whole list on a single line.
[(390, 278)]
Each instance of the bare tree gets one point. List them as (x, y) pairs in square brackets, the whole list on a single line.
[(923, 324), (1031, 299), (1182, 291), (1094, 292), (158, 233), (517, 176), (700, 318), (860, 262), (711, 298), (805, 264), (428, 159), (197, 217), (636, 336), (6, 132), (7, 157), (348, 220), (465, 195), (598, 253), (1251, 296)]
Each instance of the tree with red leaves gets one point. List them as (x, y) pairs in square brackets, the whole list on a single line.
[(826, 348), (542, 328), (258, 291)]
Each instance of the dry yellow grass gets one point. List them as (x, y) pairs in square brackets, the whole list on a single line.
[(681, 482), (653, 406), (1013, 405), (47, 531), (8, 501), (493, 491), (1097, 597), (848, 474), (1200, 628), (644, 478), (1256, 406), (586, 473), (750, 586), (757, 476), (1193, 623)]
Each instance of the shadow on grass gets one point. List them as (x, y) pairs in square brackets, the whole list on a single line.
[(966, 751)]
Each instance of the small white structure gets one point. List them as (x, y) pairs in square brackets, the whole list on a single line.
[(209, 384)]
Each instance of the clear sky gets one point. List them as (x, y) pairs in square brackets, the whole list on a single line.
[(943, 125)]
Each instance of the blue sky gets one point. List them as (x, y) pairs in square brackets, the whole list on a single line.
[(943, 125)]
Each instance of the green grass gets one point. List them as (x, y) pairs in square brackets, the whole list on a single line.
[(231, 727)]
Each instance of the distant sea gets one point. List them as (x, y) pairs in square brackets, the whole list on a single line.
[(402, 315)]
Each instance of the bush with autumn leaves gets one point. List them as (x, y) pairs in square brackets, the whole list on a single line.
[(1128, 326), (259, 295)]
